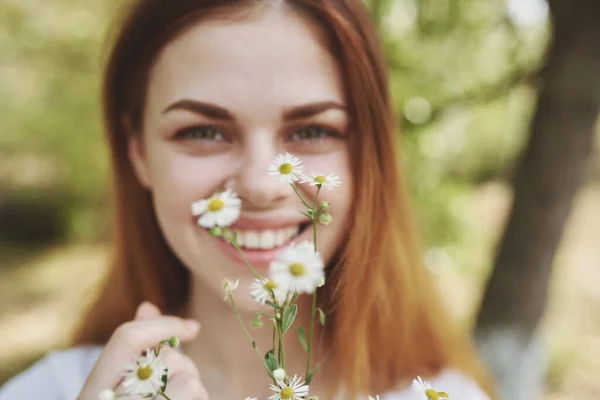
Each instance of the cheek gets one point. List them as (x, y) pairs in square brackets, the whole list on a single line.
[(179, 179)]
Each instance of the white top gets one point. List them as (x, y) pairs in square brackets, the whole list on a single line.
[(61, 375)]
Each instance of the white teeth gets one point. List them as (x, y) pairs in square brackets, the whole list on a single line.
[(280, 237), (251, 240), (240, 239), (266, 240)]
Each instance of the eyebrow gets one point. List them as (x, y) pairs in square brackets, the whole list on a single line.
[(199, 107), (310, 110), (216, 112)]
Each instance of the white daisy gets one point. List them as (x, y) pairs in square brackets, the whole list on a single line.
[(222, 209), (287, 168), (374, 398), (329, 182), (259, 290), (107, 394), (426, 391), (298, 268), (229, 286), (145, 376), (294, 390)]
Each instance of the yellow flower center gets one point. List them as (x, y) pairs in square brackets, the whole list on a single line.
[(297, 269), (215, 204), (285, 168), (320, 179), (271, 285), (287, 393), (432, 394), (144, 373)]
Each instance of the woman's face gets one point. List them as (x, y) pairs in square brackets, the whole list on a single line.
[(224, 99)]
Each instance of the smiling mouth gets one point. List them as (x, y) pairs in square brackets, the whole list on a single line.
[(268, 239)]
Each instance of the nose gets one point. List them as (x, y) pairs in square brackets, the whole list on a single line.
[(253, 184)]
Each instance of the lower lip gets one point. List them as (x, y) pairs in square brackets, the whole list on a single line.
[(260, 259)]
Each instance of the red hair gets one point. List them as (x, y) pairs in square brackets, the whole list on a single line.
[(386, 324)]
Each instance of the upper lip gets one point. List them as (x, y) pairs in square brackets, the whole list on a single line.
[(257, 224)]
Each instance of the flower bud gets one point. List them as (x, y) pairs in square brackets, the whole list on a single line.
[(106, 394), (279, 374), (216, 231), (174, 341), (325, 218), (321, 282), (325, 204), (256, 323), (229, 286)]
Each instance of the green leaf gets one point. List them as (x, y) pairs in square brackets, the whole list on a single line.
[(321, 316), (294, 297), (289, 318), (306, 214), (302, 338), (163, 379), (312, 373), (271, 361)]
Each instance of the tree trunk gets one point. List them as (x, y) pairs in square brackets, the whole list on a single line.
[(551, 170)]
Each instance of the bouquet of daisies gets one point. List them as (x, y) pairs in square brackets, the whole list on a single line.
[(298, 269)]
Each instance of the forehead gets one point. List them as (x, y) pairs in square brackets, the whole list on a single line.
[(275, 58)]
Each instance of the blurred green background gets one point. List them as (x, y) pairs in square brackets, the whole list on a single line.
[(463, 80)]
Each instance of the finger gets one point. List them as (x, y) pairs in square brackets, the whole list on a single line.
[(177, 362), (186, 386), (147, 310), (129, 340)]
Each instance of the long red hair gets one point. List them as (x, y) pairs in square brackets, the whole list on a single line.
[(386, 324)]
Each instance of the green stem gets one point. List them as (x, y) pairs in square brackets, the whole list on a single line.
[(314, 299), (314, 218), (265, 314), (252, 342), (273, 298), (164, 395), (274, 332), (314, 223), (310, 335), (281, 353), (300, 196), (241, 253), (160, 345)]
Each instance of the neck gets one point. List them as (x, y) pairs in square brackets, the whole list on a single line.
[(229, 365)]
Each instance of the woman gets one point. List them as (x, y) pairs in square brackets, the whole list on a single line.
[(200, 95)]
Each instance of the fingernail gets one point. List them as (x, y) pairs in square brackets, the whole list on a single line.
[(192, 325)]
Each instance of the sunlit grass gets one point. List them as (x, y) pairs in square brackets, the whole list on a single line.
[(41, 299)]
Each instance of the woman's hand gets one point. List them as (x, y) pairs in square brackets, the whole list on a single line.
[(128, 341)]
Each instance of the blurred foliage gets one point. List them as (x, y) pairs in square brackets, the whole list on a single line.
[(50, 138), (462, 74), (463, 81)]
